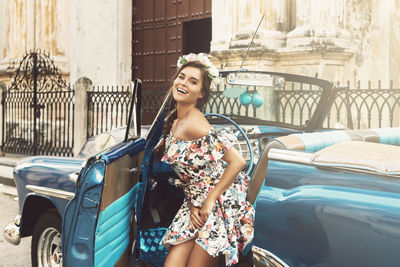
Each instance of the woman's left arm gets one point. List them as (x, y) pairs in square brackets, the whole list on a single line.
[(235, 165)]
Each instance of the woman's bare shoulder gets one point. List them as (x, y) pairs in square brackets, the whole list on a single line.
[(196, 126)]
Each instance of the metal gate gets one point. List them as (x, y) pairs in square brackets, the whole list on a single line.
[(38, 110)]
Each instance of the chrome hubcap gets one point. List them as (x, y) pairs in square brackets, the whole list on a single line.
[(49, 248)]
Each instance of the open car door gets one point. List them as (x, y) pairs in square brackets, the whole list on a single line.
[(98, 226)]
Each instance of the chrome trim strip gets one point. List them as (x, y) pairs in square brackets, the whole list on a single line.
[(73, 177), (290, 155), (51, 192), (262, 257)]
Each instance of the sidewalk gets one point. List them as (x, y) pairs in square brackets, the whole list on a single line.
[(7, 163)]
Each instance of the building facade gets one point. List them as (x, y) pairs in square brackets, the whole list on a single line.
[(112, 41), (85, 38), (339, 40), (106, 42)]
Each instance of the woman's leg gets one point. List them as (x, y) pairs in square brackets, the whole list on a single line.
[(200, 257), (178, 255)]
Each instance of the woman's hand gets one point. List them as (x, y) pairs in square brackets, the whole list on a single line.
[(205, 211), (195, 217)]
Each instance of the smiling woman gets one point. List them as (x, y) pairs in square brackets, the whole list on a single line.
[(215, 218), (187, 87)]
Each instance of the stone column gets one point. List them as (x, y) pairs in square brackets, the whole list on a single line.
[(82, 85), (221, 24), (234, 23), (319, 24), (271, 32)]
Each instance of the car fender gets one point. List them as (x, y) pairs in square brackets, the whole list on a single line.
[(33, 206)]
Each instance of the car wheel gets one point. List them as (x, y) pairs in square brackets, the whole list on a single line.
[(46, 240)]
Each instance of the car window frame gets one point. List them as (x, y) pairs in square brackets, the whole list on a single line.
[(134, 117)]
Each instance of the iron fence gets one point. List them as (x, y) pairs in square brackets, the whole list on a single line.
[(369, 107), (38, 109), (218, 103), (108, 107), (151, 102), (294, 103)]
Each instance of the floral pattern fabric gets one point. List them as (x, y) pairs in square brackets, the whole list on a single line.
[(229, 228)]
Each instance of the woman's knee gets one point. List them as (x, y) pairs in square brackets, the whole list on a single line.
[(178, 255), (200, 257)]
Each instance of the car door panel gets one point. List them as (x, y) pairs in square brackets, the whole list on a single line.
[(97, 227), (118, 198)]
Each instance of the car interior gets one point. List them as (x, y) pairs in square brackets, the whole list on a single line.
[(162, 199)]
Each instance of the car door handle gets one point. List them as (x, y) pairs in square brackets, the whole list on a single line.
[(136, 173), (135, 170)]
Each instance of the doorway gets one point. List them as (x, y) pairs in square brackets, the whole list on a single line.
[(196, 36)]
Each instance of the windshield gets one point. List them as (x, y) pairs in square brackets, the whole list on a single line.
[(268, 98)]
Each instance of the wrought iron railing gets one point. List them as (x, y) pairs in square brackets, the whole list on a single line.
[(297, 102), (369, 108), (151, 103), (107, 108), (38, 109), (218, 103), (293, 104)]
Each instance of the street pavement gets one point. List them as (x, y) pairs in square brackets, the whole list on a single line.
[(10, 255)]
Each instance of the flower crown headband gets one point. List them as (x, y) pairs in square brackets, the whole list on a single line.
[(212, 71)]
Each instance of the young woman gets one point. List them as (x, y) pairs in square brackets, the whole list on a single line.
[(215, 218)]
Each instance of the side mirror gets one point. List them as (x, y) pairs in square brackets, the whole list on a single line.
[(134, 118)]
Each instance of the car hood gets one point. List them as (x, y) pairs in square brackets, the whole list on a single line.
[(47, 171)]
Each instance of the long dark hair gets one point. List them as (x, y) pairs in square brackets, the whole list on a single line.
[(159, 150)]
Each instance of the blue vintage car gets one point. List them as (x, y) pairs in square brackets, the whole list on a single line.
[(322, 198)]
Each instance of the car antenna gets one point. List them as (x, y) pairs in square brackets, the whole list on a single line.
[(248, 48), (236, 91)]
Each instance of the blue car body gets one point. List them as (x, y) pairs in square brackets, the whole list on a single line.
[(326, 218), (315, 213), (43, 172), (117, 204)]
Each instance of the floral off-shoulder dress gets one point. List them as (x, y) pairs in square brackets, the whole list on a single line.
[(229, 228)]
